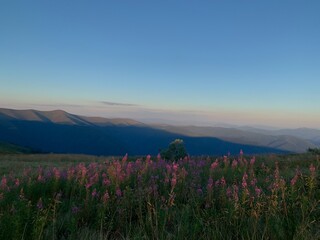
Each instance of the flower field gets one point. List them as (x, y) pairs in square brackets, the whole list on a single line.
[(230, 197)]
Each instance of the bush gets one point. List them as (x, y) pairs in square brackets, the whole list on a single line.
[(314, 150), (175, 151)]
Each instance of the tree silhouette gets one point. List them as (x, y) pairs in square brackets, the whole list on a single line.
[(175, 151)]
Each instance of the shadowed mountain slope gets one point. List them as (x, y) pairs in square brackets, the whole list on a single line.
[(59, 131)]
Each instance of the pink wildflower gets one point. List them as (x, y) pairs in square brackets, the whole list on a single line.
[(118, 192), (252, 161), (71, 172), (244, 180), (129, 169), (244, 183), (4, 183), (294, 180), (94, 193), (276, 172), (125, 158), (234, 163), (222, 182), (245, 176), (105, 197), (56, 173), (106, 182), (95, 178), (40, 178), (88, 185), (258, 191), (210, 184), (183, 173), (17, 182), (168, 167), (214, 165), (83, 171), (312, 169), (253, 182), (173, 181), (175, 166), (235, 193)]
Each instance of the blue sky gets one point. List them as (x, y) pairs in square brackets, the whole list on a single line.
[(187, 62)]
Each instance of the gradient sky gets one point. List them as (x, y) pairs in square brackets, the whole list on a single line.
[(188, 62)]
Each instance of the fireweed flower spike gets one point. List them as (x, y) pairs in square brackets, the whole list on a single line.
[(105, 197), (118, 192), (295, 178), (252, 161), (4, 182), (234, 164), (312, 170), (125, 158), (214, 165)]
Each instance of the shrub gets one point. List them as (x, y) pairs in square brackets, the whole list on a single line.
[(314, 150), (175, 151)]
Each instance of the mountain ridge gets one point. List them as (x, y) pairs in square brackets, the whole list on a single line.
[(108, 128), (62, 117)]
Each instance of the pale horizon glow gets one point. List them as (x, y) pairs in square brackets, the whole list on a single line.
[(181, 117), (177, 62)]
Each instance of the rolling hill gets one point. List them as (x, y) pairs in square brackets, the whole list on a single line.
[(61, 117), (60, 131)]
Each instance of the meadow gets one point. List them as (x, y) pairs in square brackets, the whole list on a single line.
[(48, 196)]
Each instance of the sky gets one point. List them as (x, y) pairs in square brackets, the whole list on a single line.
[(184, 62)]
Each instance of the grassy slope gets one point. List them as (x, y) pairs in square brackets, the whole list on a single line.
[(19, 162), (8, 148)]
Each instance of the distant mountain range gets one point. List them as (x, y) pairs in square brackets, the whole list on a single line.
[(293, 140), (61, 132)]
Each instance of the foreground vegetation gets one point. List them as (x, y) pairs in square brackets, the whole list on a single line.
[(81, 197)]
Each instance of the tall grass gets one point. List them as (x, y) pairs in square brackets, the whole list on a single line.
[(150, 198)]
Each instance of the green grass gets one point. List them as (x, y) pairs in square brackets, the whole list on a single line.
[(88, 197), (8, 148), (17, 163)]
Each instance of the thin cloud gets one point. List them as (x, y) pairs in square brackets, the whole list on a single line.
[(57, 105), (119, 104)]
